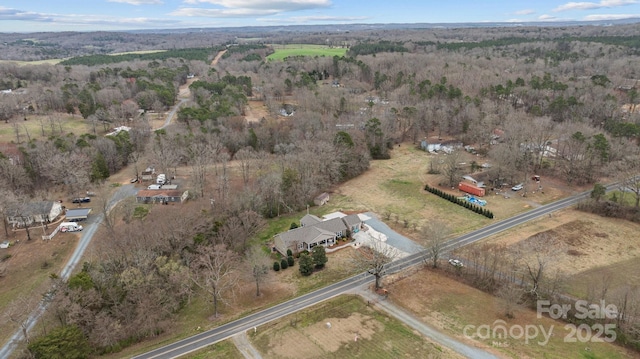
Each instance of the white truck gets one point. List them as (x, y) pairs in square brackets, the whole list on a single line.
[(70, 227)]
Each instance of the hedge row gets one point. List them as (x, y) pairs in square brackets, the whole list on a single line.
[(461, 202)]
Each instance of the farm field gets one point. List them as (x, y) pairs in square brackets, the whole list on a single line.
[(587, 249), (282, 51), (450, 306), (355, 331)]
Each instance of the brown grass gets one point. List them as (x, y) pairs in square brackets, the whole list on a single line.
[(450, 306)]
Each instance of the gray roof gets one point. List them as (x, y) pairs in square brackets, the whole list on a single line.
[(333, 225), (352, 220), (310, 220), (30, 209), (77, 212), (309, 234)]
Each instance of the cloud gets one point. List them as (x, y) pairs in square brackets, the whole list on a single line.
[(83, 20), (525, 12), (610, 17), (316, 18), (594, 5), (247, 8), (138, 2), (546, 17)]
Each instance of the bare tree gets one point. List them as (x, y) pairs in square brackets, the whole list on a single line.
[(450, 168), (258, 263), (435, 233), (216, 271), (373, 258), (511, 295)]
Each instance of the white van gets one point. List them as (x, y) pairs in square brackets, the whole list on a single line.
[(154, 186)]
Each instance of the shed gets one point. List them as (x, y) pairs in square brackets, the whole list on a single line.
[(77, 214), (321, 199)]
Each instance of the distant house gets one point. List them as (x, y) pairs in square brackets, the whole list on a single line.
[(321, 199), (27, 214), (161, 196), (315, 231), (147, 174)]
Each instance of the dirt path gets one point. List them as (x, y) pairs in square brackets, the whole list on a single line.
[(217, 58), (244, 346), (424, 329)]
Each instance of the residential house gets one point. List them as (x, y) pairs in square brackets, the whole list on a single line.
[(161, 196), (27, 214), (315, 231)]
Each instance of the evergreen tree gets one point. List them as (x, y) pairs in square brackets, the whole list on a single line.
[(306, 264), (319, 256)]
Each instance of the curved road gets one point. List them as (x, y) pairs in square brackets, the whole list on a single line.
[(225, 331)]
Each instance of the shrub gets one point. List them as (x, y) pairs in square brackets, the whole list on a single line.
[(284, 264), (276, 266), (290, 261), (289, 253)]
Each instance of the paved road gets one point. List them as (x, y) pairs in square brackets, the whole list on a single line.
[(90, 229), (225, 331), (172, 113)]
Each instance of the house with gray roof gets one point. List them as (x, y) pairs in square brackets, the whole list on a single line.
[(315, 231), (27, 214)]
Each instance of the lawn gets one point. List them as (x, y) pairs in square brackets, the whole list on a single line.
[(450, 306), (223, 350), (344, 327), (28, 270), (284, 51)]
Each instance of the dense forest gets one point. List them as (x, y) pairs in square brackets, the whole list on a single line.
[(558, 101)]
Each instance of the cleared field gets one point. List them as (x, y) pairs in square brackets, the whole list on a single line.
[(451, 306), (29, 264), (27, 63), (395, 189), (586, 248), (283, 51), (355, 331), (44, 126)]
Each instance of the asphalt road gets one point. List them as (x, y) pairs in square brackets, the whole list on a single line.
[(225, 331), (90, 228)]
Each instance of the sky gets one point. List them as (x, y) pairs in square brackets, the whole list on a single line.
[(122, 15)]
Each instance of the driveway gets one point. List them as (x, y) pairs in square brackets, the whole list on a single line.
[(394, 239)]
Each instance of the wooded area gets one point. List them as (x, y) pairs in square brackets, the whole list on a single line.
[(552, 101)]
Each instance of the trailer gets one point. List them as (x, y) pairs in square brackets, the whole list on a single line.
[(469, 188), (70, 227)]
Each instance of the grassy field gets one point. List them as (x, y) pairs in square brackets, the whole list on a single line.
[(27, 277), (39, 62), (44, 126), (355, 331), (283, 51), (451, 307), (222, 350)]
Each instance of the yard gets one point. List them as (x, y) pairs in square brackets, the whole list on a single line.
[(344, 327), (446, 304)]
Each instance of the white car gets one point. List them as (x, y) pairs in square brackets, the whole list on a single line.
[(517, 187), (456, 263), (4, 244)]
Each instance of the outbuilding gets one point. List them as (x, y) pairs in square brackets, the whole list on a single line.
[(77, 214)]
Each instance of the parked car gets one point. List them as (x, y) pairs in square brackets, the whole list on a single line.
[(134, 180), (517, 187), (456, 263), (81, 200), (4, 244)]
